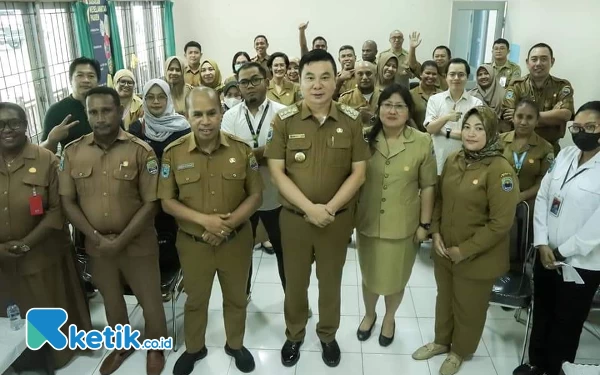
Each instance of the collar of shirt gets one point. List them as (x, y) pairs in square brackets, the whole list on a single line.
[(260, 107), (190, 70), (465, 96), (122, 136), (382, 145), (194, 146), (533, 139), (305, 112)]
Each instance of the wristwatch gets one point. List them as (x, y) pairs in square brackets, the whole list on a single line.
[(425, 226), (558, 256), (448, 131)]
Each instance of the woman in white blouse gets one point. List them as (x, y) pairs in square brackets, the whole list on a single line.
[(567, 213)]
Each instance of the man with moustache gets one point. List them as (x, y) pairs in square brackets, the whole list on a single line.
[(346, 80), (364, 98), (211, 185), (193, 56), (261, 45)]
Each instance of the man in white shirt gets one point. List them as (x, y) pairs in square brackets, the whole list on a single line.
[(445, 111), (251, 121)]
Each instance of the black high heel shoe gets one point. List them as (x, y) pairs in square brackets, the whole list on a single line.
[(364, 335), (387, 341)]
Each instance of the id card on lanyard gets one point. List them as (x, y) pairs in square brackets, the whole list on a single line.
[(256, 134), (519, 161), (558, 200)]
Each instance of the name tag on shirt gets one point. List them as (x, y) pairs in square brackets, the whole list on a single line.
[(556, 206), (297, 136), (502, 81), (36, 208)]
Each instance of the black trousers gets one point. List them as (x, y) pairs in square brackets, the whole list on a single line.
[(270, 220), (560, 310)]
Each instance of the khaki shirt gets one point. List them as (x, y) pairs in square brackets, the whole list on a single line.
[(420, 99), (355, 99), (264, 62), (474, 210), (192, 77), (538, 159), (318, 158), (440, 81), (556, 92), (507, 72), (389, 205), (349, 84), (215, 183), (35, 170), (135, 112), (288, 96), (404, 73), (110, 186)]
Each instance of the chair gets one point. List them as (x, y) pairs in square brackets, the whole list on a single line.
[(595, 307), (514, 289)]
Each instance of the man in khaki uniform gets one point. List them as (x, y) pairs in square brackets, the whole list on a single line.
[(261, 45), (396, 41), (364, 97), (346, 79), (193, 55), (318, 42), (107, 181), (369, 51), (554, 96), (441, 55), (211, 184), (505, 69), (317, 159)]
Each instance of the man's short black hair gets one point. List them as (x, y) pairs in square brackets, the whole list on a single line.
[(261, 36), (541, 45), (317, 38), (275, 55), (317, 55), (104, 90), (344, 47), (443, 47), (458, 60), (250, 65), (14, 107), (429, 64), (501, 41), (85, 61), (192, 44)]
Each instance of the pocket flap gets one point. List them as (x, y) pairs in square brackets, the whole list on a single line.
[(35, 179), (187, 176), (125, 174), (336, 141), (298, 144), (81, 172), (241, 175)]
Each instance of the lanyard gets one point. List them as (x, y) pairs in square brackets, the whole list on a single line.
[(567, 180), (260, 124), (519, 161)]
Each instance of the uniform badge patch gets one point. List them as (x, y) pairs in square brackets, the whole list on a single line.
[(507, 184), (270, 135), (61, 166), (252, 161), (550, 158), (165, 171), (152, 166), (566, 90), (510, 94)]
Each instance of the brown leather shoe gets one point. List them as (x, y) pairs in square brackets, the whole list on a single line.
[(114, 361), (155, 362)]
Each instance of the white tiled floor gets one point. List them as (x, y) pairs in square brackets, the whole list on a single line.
[(498, 351)]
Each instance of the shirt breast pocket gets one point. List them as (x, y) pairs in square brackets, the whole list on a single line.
[(234, 183), (339, 151), (298, 153), (125, 181), (83, 180), (187, 183), (38, 185)]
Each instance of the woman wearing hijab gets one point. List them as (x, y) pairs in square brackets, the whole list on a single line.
[(131, 103), (174, 68), (490, 92), (239, 59), (293, 73), (232, 95), (387, 66), (473, 214), (36, 255), (210, 75)]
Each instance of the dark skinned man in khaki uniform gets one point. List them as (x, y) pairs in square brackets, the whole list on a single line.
[(317, 159), (107, 182), (364, 97), (211, 184), (553, 96)]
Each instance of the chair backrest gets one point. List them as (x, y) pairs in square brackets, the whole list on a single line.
[(519, 238)]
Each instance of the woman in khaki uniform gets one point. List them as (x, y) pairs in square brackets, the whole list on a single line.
[(210, 75), (174, 68), (281, 90), (392, 218), (36, 254), (474, 212), (293, 73), (421, 94), (387, 66), (529, 154), (131, 103)]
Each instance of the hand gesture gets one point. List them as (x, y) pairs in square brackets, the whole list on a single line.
[(415, 39), (420, 235), (439, 246), (365, 114), (7, 251), (303, 26), (217, 225), (454, 116), (345, 75), (547, 257), (319, 215), (454, 254), (61, 131), (212, 239), (508, 114), (108, 245)]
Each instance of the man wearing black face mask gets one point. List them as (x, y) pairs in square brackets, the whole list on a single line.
[(567, 211)]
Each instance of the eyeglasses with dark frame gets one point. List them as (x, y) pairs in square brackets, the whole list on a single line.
[(590, 127), (14, 124), (255, 81)]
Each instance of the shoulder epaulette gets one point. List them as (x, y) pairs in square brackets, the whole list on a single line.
[(349, 111), (75, 141), (140, 142), (346, 93), (288, 111), (234, 137), (178, 141)]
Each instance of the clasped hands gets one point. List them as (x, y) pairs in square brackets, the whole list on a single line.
[(451, 253), (320, 215), (217, 228)]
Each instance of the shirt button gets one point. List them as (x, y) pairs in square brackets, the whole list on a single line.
[(105, 194), (5, 208), (187, 178), (387, 162), (215, 210), (80, 174), (384, 187), (6, 192), (386, 175), (126, 176), (383, 199), (103, 172), (382, 211), (212, 192), (105, 214), (234, 175), (212, 175)]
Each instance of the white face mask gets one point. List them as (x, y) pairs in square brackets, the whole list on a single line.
[(237, 67), (232, 102)]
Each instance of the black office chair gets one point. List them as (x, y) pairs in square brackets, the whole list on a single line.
[(514, 289)]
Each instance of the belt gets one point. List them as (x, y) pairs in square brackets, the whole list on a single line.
[(228, 238), (300, 213)]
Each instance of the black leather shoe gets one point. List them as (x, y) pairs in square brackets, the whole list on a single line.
[(527, 369), (387, 341), (331, 353), (244, 361), (185, 363), (364, 335), (290, 353)]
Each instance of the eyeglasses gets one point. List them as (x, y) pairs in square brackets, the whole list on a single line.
[(255, 81), (398, 107), (459, 75), (587, 128), (12, 124), (152, 98), (126, 83)]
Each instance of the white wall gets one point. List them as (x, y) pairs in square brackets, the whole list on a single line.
[(223, 27)]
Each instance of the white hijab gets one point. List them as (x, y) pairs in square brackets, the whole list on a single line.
[(160, 128)]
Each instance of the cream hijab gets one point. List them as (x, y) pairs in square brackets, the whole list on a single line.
[(494, 94)]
